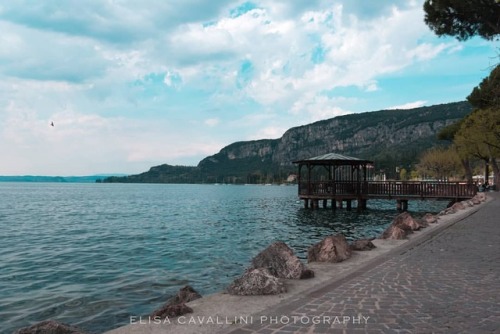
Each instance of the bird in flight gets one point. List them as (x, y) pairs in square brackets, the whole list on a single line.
[(52, 123)]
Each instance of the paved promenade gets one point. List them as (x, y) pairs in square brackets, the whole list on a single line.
[(447, 282)]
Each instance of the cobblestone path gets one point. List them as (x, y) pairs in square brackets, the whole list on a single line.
[(450, 283)]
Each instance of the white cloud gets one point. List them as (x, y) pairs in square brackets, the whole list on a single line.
[(270, 132), (409, 105), (428, 51), (212, 121), (318, 107)]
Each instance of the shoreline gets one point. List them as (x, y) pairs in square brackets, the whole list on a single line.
[(221, 312)]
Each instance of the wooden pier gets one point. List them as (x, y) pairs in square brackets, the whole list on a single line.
[(340, 192), (343, 179)]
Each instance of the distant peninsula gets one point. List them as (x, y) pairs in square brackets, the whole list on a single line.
[(79, 179)]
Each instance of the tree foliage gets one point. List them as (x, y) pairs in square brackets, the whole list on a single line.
[(448, 132), (479, 135), (487, 94), (463, 18), (440, 163), (403, 174)]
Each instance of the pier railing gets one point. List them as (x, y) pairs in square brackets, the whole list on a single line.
[(387, 189)]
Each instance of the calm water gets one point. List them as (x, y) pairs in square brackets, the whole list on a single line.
[(93, 254)]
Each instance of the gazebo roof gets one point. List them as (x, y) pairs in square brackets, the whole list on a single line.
[(333, 159)]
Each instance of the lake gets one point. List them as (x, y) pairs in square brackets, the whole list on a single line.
[(92, 255)]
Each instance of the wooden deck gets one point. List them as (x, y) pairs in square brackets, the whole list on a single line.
[(401, 191)]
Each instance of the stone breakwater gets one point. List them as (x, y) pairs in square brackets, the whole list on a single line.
[(272, 275)]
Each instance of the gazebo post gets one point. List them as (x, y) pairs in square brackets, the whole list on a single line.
[(308, 179)]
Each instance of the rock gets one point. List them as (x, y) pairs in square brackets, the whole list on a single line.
[(333, 248), (450, 211), (279, 259), (307, 273), (406, 222), (176, 305), (458, 206), (422, 223), (49, 327), (362, 245), (185, 295), (171, 311), (467, 203), (257, 281), (395, 232), (481, 197), (430, 218)]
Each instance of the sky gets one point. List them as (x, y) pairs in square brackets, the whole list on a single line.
[(134, 84)]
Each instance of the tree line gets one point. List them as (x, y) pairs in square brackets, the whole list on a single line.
[(476, 138)]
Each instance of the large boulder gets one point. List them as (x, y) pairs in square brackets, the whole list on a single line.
[(403, 225), (171, 311), (255, 282), (394, 232), (279, 259), (406, 222), (49, 327), (176, 305), (333, 248), (185, 295), (362, 245)]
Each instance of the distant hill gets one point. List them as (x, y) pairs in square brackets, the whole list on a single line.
[(392, 138), (34, 178)]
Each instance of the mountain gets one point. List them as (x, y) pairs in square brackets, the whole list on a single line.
[(391, 138)]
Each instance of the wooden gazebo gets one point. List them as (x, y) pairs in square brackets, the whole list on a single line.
[(341, 178), (334, 177)]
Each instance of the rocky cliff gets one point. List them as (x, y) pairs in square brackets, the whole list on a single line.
[(384, 136)]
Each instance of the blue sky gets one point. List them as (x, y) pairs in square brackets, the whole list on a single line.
[(133, 84)]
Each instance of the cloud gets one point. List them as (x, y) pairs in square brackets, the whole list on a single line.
[(212, 121), (409, 105), (353, 53), (366, 10), (270, 132), (35, 55), (285, 53), (318, 107), (116, 22)]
